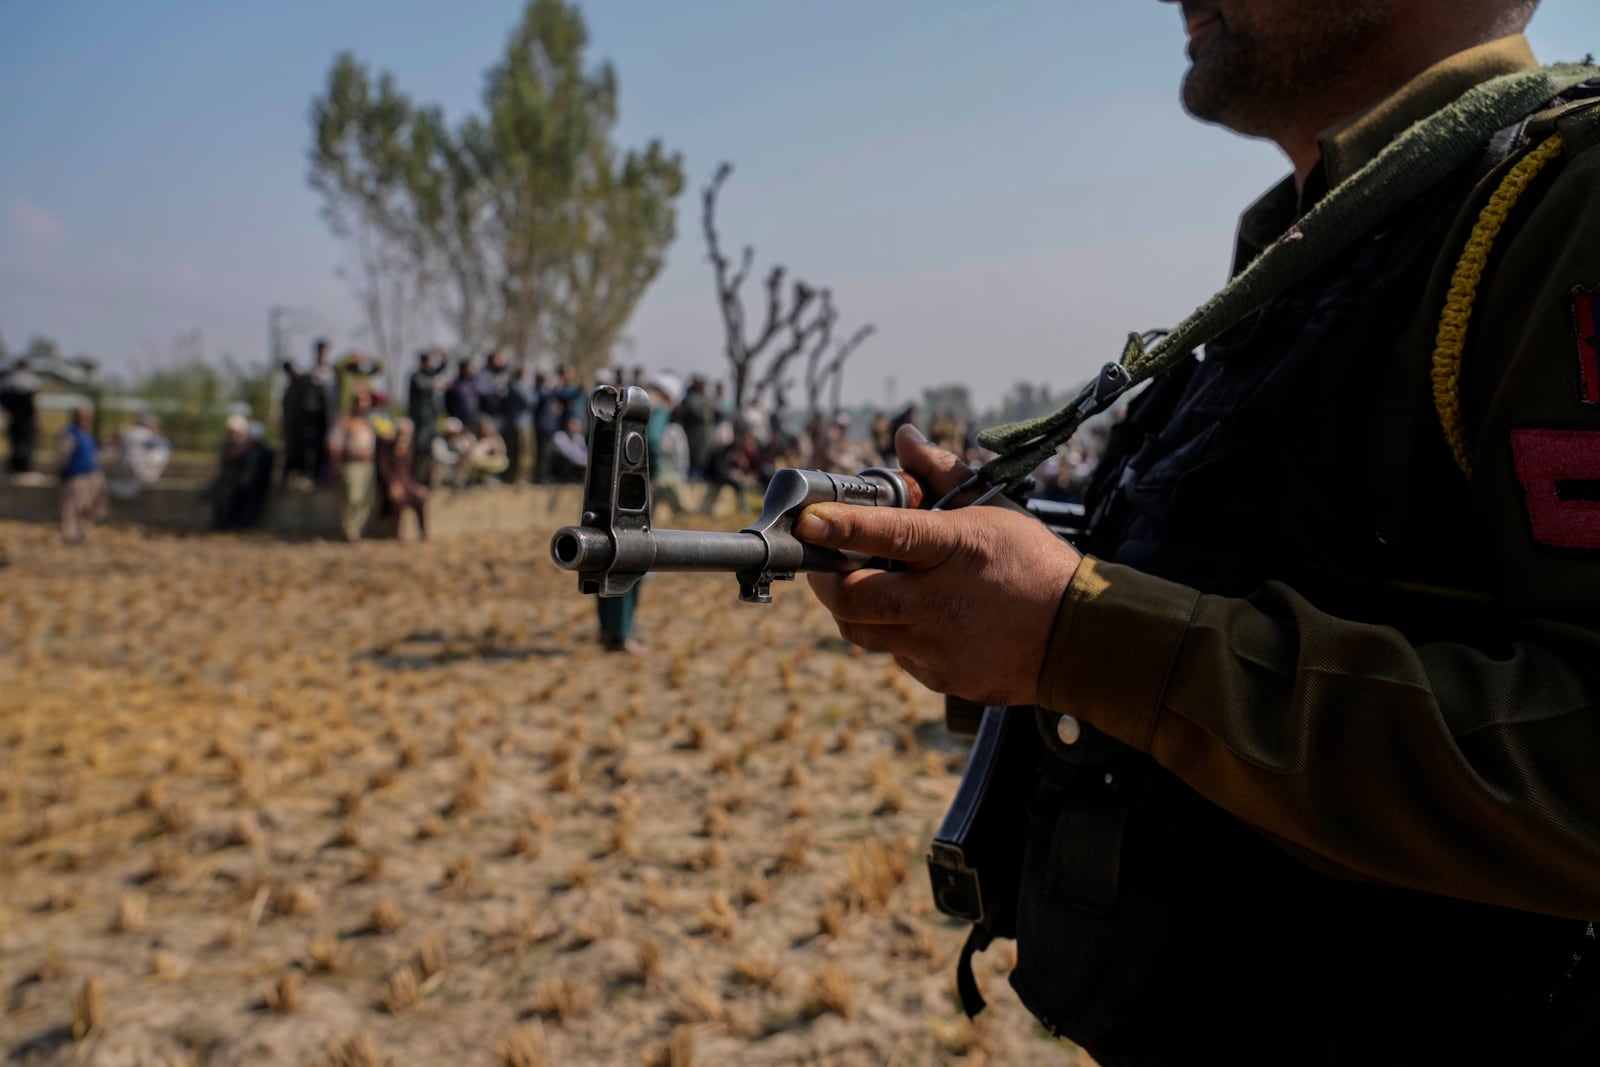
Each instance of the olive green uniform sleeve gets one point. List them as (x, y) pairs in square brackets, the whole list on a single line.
[(1438, 767)]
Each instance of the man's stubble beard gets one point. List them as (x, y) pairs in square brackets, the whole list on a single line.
[(1256, 79)]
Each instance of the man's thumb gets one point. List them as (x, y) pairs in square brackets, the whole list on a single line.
[(938, 471)]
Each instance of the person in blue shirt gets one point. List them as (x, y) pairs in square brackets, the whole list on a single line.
[(82, 483)]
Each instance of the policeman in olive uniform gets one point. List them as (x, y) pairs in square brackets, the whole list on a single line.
[(1336, 624)]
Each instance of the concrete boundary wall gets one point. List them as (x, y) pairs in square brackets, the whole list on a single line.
[(183, 505)]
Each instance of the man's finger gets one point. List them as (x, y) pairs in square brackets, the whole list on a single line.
[(924, 676), (938, 471), (895, 640), (921, 538), (884, 598)]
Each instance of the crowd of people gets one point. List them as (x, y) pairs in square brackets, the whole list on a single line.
[(466, 422), (469, 422)]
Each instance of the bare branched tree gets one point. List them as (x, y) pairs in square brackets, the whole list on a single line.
[(820, 374), (824, 337), (815, 332), (781, 312)]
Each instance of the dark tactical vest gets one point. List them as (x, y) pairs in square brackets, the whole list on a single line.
[(1152, 927)]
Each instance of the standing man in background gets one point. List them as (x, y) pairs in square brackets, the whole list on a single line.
[(357, 372), (698, 418), (19, 389), (83, 485), (499, 401), (353, 448), (298, 455), (519, 419), (320, 408), (422, 408), (461, 397), (558, 403)]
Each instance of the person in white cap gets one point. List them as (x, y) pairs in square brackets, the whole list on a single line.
[(450, 451), (142, 456), (230, 471)]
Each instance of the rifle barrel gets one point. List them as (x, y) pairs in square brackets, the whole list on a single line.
[(582, 548)]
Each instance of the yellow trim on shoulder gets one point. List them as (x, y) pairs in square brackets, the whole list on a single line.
[(1451, 339)]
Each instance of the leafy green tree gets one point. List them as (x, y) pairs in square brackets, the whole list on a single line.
[(194, 397), (370, 152), (524, 227), (190, 396), (42, 348), (453, 206), (250, 386), (621, 225), (544, 111)]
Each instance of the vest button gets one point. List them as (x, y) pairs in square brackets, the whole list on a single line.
[(1068, 730)]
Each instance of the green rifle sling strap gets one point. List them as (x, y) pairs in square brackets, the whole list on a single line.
[(1410, 165)]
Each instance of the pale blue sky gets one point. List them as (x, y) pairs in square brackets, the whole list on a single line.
[(1004, 188)]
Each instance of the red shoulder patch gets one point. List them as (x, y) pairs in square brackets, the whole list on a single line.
[(1560, 475), (1586, 321)]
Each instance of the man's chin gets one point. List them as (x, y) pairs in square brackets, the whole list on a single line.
[(1200, 96), (1217, 90)]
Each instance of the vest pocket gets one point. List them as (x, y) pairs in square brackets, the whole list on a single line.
[(1127, 941)]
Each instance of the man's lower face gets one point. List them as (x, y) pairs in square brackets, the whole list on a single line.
[(1251, 61)]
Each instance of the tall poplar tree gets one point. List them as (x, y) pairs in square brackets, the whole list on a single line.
[(369, 154), (524, 227)]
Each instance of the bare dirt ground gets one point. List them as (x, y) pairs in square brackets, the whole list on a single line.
[(328, 804)]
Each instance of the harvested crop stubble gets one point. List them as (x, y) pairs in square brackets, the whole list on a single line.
[(324, 779)]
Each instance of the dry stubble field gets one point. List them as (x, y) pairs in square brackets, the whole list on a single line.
[(326, 804)]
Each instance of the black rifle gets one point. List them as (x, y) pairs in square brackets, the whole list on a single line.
[(615, 545)]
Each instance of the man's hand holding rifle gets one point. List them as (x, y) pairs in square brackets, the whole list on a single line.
[(969, 612)]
